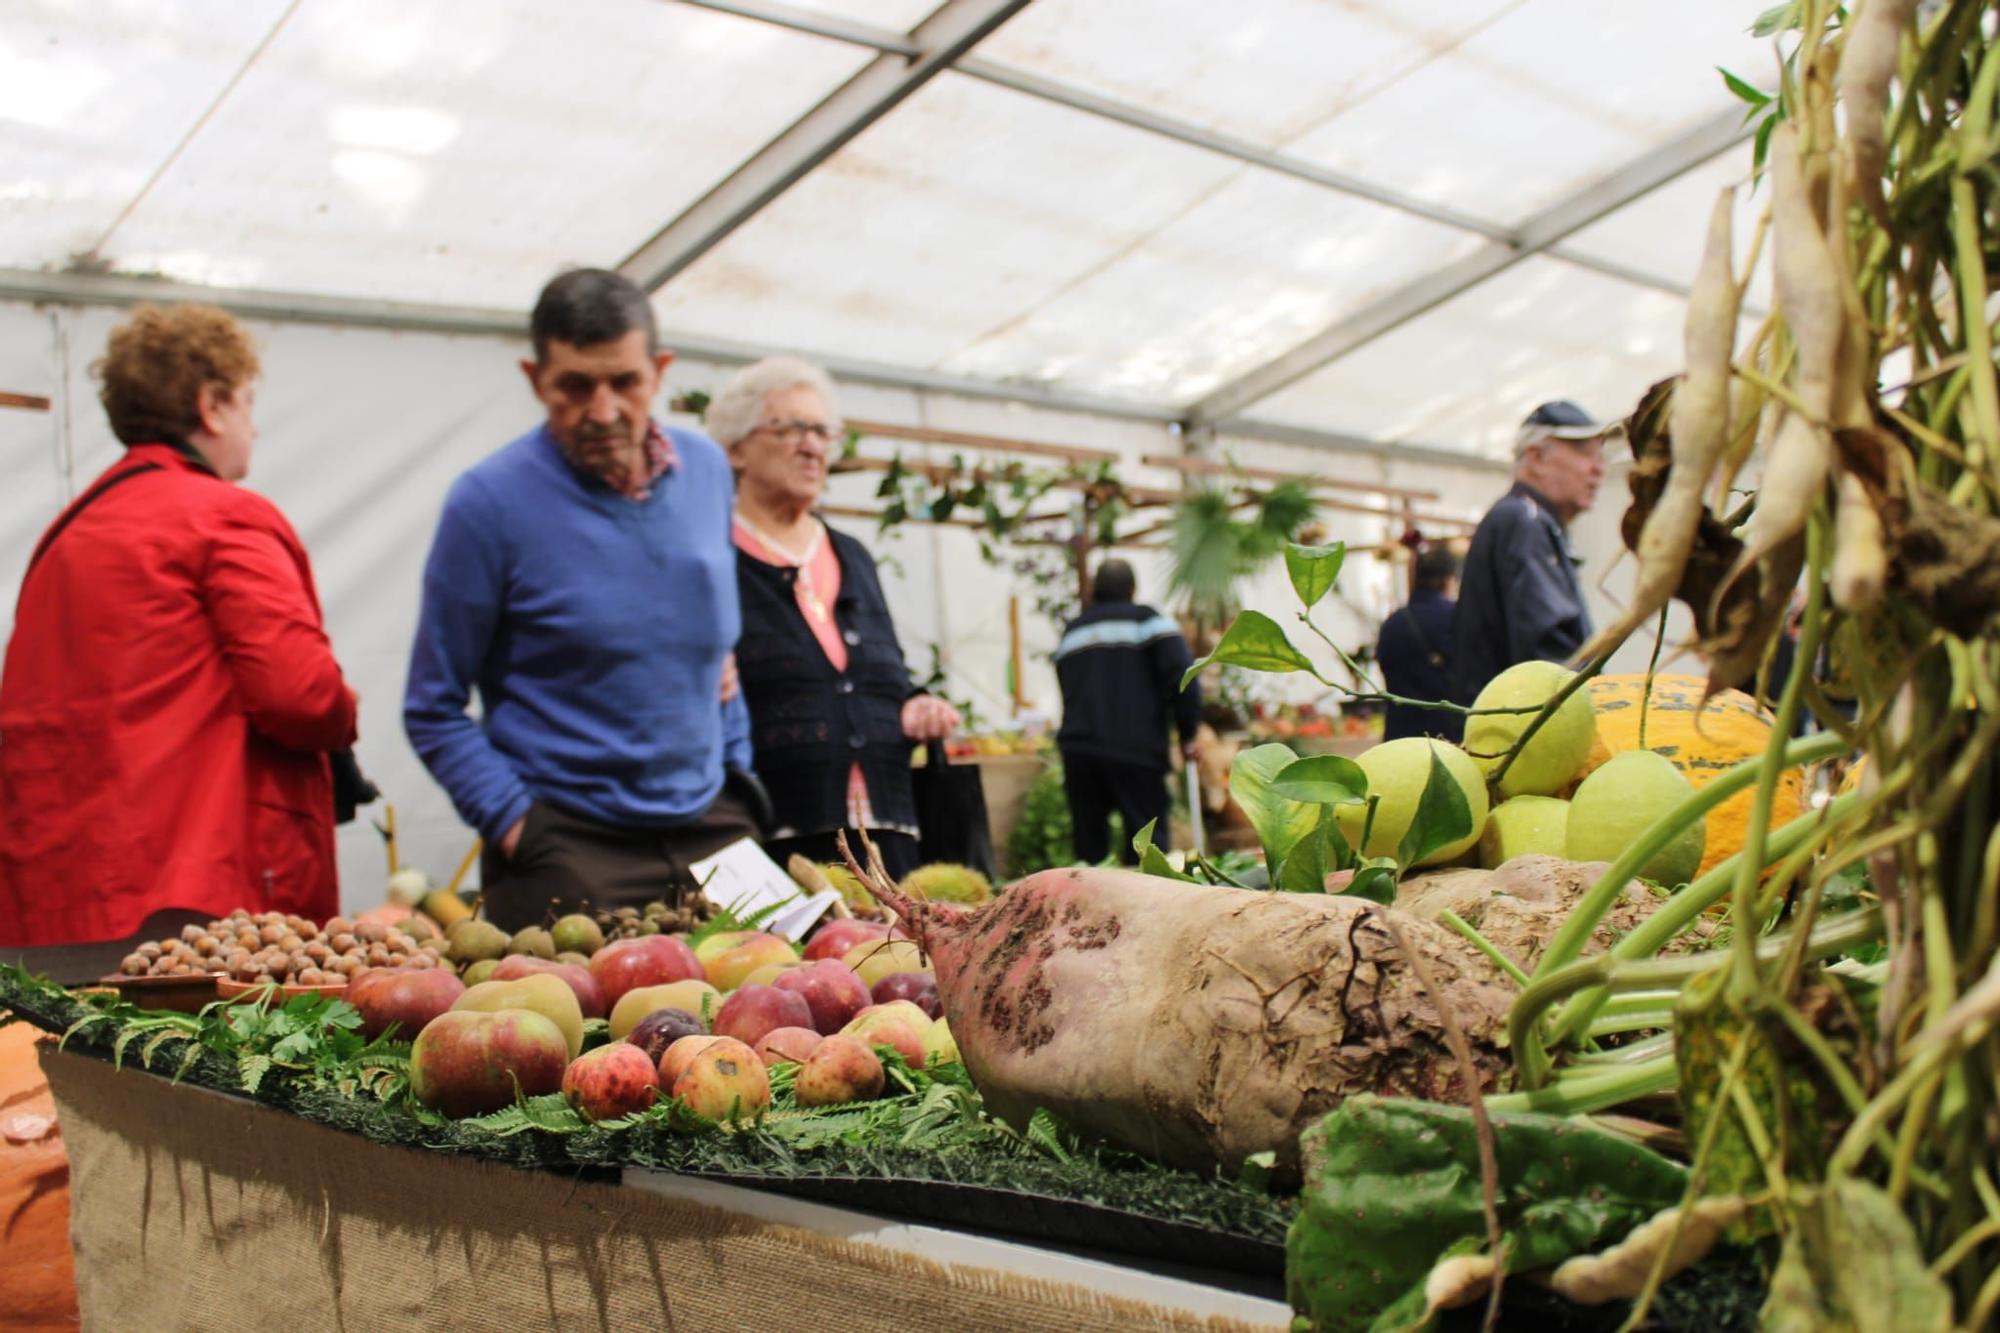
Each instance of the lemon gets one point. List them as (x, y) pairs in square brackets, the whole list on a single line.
[(1525, 825), (1624, 797), (1397, 772), (1555, 753)]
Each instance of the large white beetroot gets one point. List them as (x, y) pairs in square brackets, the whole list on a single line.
[(1197, 1025)]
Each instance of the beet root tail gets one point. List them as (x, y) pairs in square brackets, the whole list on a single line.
[(912, 913)]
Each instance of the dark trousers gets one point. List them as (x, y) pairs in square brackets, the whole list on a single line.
[(1096, 787), (899, 850), (566, 863)]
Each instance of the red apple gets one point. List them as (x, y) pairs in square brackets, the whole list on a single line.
[(879, 1025), (840, 1069), (403, 999), (919, 988), (675, 1062), (835, 938), (731, 968), (724, 1081), (782, 1045), (611, 1081), (831, 989), (661, 1029), (589, 995), (753, 1011), (471, 1062), (645, 960)]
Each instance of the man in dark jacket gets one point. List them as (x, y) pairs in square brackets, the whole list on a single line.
[(1415, 651), (1120, 665), (1520, 599)]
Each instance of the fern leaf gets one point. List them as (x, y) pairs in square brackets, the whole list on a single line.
[(252, 1066)]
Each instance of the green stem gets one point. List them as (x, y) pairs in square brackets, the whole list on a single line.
[(1594, 1091), (1743, 978), (1484, 945), (1652, 669), (1567, 944)]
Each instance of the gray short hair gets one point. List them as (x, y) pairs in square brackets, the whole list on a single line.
[(737, 409)]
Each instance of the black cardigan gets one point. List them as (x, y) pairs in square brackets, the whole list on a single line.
[(809, 724)]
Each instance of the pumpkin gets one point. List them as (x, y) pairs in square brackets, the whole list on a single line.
[(1703, 745)]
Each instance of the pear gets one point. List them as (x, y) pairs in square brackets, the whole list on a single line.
[(475, 941), (533, 941), (577, 933)]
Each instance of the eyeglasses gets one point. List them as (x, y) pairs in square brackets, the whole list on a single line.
[(792, 432)]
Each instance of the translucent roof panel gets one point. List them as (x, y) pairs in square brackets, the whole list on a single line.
[(1547, 98), (93, 96), (1662, 232), (1263, 70), (1244, 274), (958, 213), (1465, 374), (899, 15), (458, 151)]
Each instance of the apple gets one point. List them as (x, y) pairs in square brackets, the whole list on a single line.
[(589, 995), (645, 960), (720, 943), (918, 988), (831, 989), (940, 1047), (541, 993), (787, 1045), (835, 938), (888, 1029), (611, 1081), (675, 1062), (910, 1015), (404, 1000), (661, 1029), (874, 959), (770, 972), (840, 1069), (724, 1081), (754, 1010), (733, 966), (472, 1062), (692, 997)]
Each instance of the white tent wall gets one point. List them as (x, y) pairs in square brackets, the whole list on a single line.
[(362, 431)]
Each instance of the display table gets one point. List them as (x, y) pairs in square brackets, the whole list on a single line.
[(195, 1209)]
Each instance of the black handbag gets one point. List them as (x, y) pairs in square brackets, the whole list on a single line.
[(951, 813)]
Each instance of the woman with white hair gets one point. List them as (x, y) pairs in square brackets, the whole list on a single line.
[(833, 712)]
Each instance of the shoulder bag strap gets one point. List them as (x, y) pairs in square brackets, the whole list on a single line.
[(90, 497)]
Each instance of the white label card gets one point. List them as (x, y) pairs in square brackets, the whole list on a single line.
[(741, 879)]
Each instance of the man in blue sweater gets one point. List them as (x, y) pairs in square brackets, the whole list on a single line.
[(1120, 665), (582, 581)]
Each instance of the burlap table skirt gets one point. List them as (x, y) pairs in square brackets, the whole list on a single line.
[(192, 1210)]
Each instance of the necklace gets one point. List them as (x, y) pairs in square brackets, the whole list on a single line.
[(801, 561)]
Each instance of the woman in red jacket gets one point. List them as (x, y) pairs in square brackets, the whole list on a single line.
[(170, 698)]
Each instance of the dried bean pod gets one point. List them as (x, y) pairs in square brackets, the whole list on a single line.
[(1860, 558)]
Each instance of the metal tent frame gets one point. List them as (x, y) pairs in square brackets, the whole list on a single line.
[(902, 63)]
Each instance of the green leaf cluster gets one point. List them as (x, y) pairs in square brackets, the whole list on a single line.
[(1393, 1185)]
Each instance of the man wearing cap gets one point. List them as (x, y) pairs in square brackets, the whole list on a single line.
[(1519, 596)]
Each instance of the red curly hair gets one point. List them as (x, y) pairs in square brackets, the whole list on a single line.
[(155, 363)]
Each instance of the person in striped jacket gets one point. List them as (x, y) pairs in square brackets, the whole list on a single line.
[(1120, 664)]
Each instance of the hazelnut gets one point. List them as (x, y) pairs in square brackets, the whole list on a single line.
[(317, 951), (344, 942), (290, 943), (134, 965), (421, 961), (337, 925), (309, 976), (189, 934), (148, 951), (371, 932), (378, 955), (207, 944)]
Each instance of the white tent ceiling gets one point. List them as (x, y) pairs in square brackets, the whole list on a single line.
[(1325, 219)]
